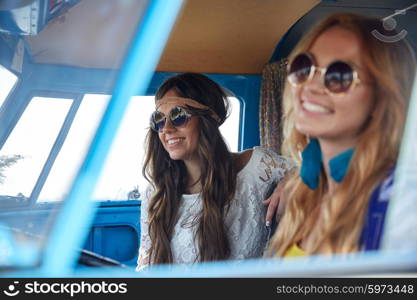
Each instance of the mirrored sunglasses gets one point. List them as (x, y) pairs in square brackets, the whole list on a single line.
[(178, 116), (338, 77)]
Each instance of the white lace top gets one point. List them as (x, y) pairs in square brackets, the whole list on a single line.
[(245, 220)]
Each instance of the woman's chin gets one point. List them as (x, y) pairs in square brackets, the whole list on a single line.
[(174, 155)]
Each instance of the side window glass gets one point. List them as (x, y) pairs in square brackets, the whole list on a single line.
[(121, 178), (8, 80), (230, 128), (74, 148), (27, 148)]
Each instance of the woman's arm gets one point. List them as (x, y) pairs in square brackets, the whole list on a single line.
[(276, 202), (145, 241)]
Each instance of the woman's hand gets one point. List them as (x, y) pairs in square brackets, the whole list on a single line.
[(273, 203), (276, 202)]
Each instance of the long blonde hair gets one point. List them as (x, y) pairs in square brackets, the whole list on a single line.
[(392, 67)]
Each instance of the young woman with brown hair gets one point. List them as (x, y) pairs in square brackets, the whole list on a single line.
[(205, 203)]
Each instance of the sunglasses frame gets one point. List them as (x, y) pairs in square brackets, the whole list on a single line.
[(188, 116), (322, 72)]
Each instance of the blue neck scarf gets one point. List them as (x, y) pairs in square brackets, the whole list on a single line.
[(312, 164)]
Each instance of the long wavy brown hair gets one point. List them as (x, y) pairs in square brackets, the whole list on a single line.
[(392, 67), (169, 177)]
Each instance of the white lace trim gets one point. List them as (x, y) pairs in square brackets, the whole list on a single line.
[(245, 220)]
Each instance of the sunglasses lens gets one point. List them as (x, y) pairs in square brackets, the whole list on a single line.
[(179, 116), (157, 120), (299, 69), (338, 77)]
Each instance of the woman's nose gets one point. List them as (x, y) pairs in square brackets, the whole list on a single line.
[(315, 84), (168, 127)]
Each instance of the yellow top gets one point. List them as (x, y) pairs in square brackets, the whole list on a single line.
[(295, 251)]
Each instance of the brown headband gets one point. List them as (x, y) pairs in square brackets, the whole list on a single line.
[(180, 101)]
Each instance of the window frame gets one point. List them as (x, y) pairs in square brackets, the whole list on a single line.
[(244, 87), (17, 112)]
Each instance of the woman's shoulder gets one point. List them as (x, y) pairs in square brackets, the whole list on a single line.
[(262, 160), (270, 157), (242, 159)]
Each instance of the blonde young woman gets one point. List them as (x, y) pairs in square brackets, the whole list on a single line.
[(345, 107)]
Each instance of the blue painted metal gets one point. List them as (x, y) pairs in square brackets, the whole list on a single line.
[(78, 210), (249, 130), (115, 223), (70, 79)]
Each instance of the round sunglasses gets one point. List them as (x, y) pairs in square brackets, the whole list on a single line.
[(178, 116), (338, 77)]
